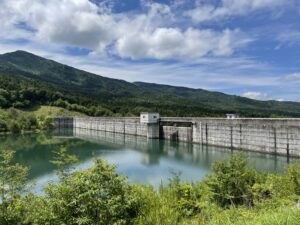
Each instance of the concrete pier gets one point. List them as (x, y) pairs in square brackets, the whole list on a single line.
[(274, 136)]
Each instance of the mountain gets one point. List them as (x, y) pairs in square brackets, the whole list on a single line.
[(27, 80)]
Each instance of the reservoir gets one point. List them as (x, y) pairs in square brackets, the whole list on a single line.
[(142, 160)]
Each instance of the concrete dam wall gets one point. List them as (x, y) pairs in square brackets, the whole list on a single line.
[(275, 136)]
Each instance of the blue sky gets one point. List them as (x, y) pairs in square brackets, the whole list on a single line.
[(243, 47)]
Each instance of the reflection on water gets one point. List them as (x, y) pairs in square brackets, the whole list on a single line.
[(142, 160)]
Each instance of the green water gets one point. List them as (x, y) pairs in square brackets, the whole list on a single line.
[(142, 160)]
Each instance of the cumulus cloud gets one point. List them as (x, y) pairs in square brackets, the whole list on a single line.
[(75, 22), (147, 34), (164, 43), (256, 95), (205, 12)]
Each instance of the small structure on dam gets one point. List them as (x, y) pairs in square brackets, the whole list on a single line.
[(151, 120), (147, 117), (275, 136), (232, 116)]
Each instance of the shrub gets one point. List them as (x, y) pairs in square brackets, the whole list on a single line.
[(45, 123), (3, 125), (13, 179), (156, 208), (93, 196), (232, 182), (293, 173), (14, 127)]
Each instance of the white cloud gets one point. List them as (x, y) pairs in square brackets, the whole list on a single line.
[(74, 22), (289, 36), (206, 12), (293, 76), (164, 43), (149, 34), (256, 95)]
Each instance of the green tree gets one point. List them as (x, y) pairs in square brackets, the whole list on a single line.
[(63, 161), (232, 182), (46, 123), (13, 179), (96, 196), (14, 126), (293, 173), (3, 125), (3, 101)]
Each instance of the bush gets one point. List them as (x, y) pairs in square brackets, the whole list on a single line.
[(156, 208), (13, 179), (94, 196), (3, 125), (14, 127), (293, 174), (28, 121), (232, 182), (16, 121), (46, 123)]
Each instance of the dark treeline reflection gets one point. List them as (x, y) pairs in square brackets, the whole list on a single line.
[(142, 160)]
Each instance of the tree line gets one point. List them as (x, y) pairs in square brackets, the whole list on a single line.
[(25, 93)]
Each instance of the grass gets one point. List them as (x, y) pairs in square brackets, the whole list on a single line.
[(54, 111), (238, 216)]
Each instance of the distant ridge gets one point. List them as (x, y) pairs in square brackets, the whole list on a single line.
[(23, 72)]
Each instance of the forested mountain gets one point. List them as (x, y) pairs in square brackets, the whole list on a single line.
[(27, 80)]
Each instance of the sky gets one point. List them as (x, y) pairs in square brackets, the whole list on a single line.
[(249, 48)]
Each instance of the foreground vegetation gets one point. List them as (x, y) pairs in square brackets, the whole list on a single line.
[(233, 194)]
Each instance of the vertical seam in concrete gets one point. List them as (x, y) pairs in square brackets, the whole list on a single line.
[(206, 133), (231, 141), (201, 132), (192, 133), (275, 140), (288, 144), (241, 142)]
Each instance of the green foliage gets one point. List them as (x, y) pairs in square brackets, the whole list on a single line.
[(232, 182), (45, 123), (12, 176), (94, 196), (187, 196), (12, 184), (293, 174), (287, 215), (3, 125), (275, 187), (13, 126), (156, 208), (63, 161), (3, 101), (16, 121)]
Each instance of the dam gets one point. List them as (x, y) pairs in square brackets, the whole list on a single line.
[(274, 136)]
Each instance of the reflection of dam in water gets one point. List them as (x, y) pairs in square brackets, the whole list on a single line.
[(154, 149), (142, 159)]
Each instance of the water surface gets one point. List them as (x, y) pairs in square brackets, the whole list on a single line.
[(142, 160)]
